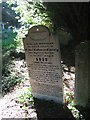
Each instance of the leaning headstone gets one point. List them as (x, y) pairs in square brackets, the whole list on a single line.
[(82, 82), (44, 64)]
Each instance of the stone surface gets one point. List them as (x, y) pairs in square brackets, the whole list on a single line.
[(82, 82), (43, 59)]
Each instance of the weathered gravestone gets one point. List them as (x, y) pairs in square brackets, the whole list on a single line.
[(82, 82), (44, 64)]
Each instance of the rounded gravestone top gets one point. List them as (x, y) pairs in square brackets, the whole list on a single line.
[(39, 32)]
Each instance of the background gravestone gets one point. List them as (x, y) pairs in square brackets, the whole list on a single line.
[(82, 82), (44, 64)]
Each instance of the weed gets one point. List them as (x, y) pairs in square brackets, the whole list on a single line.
[(26, 99), (69, 101)]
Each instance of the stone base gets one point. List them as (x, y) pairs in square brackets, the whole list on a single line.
[(48, 98)]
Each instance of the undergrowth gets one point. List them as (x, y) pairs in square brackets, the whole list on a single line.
[(10, 77), (69, 101), (26, 99)]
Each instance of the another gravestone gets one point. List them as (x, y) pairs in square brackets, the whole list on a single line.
[(82, 83), (44, 64)]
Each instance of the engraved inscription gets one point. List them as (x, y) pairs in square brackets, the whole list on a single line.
[(43, 60), (44, 72)]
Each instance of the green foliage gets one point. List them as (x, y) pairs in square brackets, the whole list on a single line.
[(70, 104), (30, 13), (9, 42), (26, 98), (8, 45), (9, 82), (9, 77), (19, 38)]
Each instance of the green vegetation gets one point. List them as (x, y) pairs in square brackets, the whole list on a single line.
[(9, 78), (9, 82), (78, 112), (30, 13), (8, 45), (70, 104), (26, 99), (10, 36), (9, 42)]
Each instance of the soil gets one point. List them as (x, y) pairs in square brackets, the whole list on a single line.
[(10, 106)]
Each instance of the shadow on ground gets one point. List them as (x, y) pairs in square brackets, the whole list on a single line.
[(84, 111), (50, 109)]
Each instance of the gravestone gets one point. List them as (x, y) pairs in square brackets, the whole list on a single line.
[(44, 64), (82, 81)]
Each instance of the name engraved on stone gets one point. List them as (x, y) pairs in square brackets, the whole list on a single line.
[(43, 59)]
